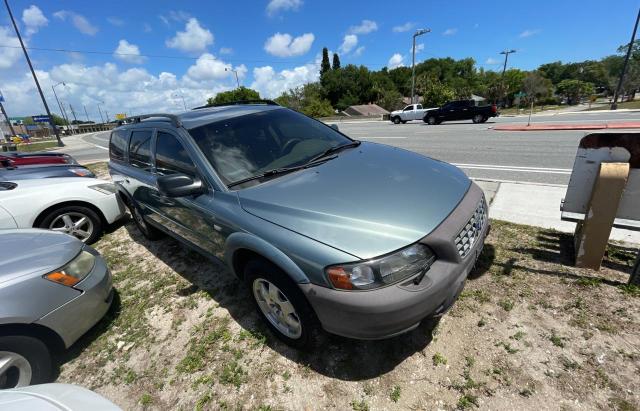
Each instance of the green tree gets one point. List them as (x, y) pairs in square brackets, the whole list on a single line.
[(307, 99), (390, 99), (336, 61), (325, 66), (434, 92), (574, 90), (238, 94), (536, 86)]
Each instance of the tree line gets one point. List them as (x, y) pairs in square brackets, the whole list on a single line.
[(439, 80)]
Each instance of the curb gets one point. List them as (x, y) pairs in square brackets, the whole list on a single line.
[(592, 126)]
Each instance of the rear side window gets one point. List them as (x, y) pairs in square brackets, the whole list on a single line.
[(419, 106), (118, 144), (171, 156), (140, 149)]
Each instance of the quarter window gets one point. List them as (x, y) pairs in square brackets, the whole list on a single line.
[(171, 156), (140, 149), (118, 144)]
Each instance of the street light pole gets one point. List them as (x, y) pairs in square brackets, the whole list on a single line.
[(100, 111), (504, 68), (33, 73), (85, 112), (235, 72), (4, 113), (60, 106), (614, 103), (413, 63)]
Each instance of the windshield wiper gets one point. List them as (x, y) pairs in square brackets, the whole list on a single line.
[(354, 143), (279, 171)]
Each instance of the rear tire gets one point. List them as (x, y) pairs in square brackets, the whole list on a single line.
[(484, 119), (147, 230), (432, 120), (29, 361), (275, 295), (477, 118)]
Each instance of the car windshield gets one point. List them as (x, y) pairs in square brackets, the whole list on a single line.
[(245, 146)]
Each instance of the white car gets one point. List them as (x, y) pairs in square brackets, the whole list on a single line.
[(54, 397), (409, 113), (81, 207)]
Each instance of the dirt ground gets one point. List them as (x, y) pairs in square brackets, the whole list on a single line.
[(529, 332)]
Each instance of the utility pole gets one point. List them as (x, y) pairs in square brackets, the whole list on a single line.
[(106, 114), (100, 111), (614, 103), (63, 113), (75, 119), (413, 63), (4, 113), (85, 112), (235, 72), (33, 73), (504, 68)]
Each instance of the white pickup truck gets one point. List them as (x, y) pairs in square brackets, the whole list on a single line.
[(410, 112)]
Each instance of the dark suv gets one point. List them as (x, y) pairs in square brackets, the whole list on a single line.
[(362, 239)]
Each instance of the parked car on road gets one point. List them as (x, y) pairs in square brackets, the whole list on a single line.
[(53, 289), (364, 239), (28, 172), (410, 112), (23, 159), (82, 207), (461, 110), (51, 397)]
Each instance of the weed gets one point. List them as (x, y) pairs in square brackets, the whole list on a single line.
[(506, 304), (557, 340), (482, 322), (526, 392), (233, 374), (568, 364), (286, 375), (507, 347), (359, 405), (395, 393), (630, 289), (589, 281), (467, 400), (203, 401), (518, 336), (146, 399), (438, 359), (367, 389)]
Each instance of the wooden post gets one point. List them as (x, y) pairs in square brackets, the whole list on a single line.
[(635, 273), (592, 235)]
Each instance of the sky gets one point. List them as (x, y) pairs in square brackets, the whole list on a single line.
[(144, 56)]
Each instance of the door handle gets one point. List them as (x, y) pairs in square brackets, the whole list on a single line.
[(126, 180)]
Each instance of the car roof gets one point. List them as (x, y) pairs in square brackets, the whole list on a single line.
[(205, 115)]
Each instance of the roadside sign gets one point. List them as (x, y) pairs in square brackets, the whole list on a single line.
[(40, 119), (121, 116)]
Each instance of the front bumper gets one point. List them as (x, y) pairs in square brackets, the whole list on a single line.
[(111, 206), (71, 320), (392, 310)]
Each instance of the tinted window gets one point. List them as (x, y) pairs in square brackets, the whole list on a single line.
[(244, 146), (140, 149), (171, 156), (419, 106), (408, 108), (118, 144)]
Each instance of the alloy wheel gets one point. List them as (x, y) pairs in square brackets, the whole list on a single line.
[(277, 308), (73, 223), (15, 370)]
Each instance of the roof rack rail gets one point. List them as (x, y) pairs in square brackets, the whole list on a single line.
[(239, 102), (175, 120)]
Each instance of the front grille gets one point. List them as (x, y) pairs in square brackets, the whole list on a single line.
[(471, 231)]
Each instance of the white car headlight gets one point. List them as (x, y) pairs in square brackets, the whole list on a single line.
[(377, 272)]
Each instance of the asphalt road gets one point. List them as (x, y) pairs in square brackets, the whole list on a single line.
[(541, 157)]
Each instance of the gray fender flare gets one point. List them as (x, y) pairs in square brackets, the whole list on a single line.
[(253, 243)]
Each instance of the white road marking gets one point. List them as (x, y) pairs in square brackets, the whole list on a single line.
[(518, 169), (373, 138)]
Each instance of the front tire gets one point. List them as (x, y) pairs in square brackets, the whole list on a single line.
[(281, 304), (477, 118), (396, 120), (23, 361), (148, 231), (78, 221)]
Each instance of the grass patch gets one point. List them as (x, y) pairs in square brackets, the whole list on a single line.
[(635, 104), (395, 393), (506, 304), (557, 340), (467, 401), (359, 405), (233, 374), (438, 359), (630, 289), (589, 281), (37, 146)]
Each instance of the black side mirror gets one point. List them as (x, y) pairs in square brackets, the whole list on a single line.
[(335, 127), (179, 185)]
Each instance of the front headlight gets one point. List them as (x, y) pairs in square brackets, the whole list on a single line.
[(75, 271), (105, 188), (377, 272)]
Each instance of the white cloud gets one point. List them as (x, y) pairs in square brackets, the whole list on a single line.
[(226, 50), (491, 60), (9, 55), (284, 45), (348, 43), (194, 38), (271, 84), (529, 33), (79, 21), (403, 27), (33, 19), (397, 60), (358, 51), (115, 21), (208, 68), (419, 48), (450, 32), (276, 6), (129, 53), (366, 27), (178, 16)]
